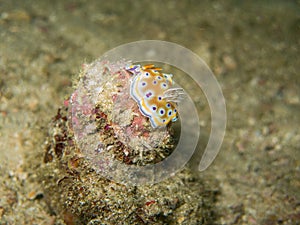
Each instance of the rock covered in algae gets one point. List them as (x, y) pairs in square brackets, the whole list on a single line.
[(100, 122)]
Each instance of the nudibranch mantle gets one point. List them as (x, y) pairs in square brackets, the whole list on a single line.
[(153, 92)]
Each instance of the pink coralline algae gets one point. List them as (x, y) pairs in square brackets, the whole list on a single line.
[(95, 147), (107, 120)]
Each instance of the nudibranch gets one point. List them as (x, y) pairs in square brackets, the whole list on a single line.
[(154, 93)]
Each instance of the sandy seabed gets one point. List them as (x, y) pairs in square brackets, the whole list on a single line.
[(252, 47)]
